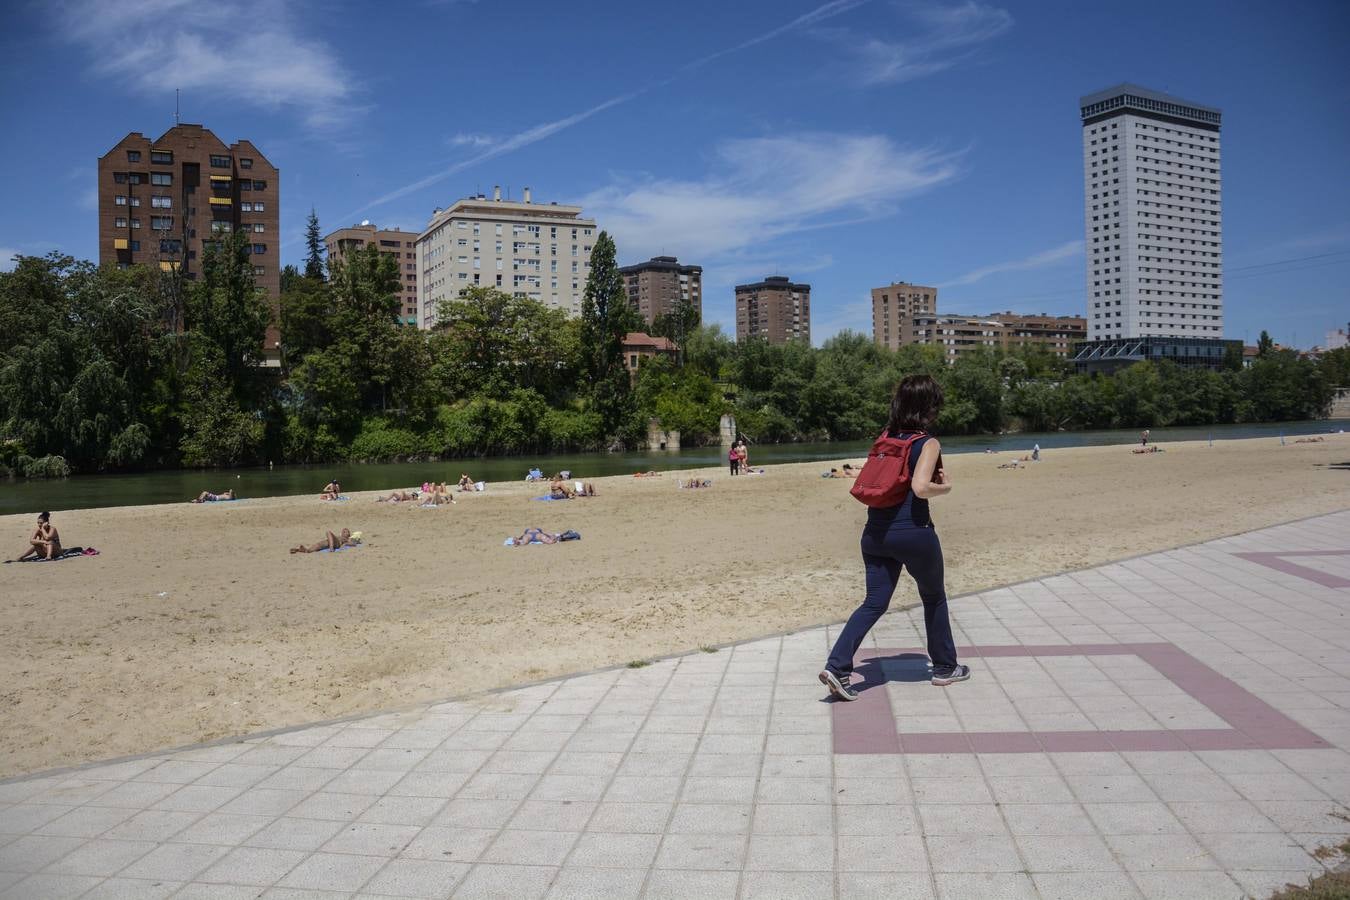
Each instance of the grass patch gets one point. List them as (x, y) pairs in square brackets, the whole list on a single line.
[(708, 648), (1329, 886), (639, 664)]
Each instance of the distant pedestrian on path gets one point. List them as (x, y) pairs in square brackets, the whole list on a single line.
[(902, 536)]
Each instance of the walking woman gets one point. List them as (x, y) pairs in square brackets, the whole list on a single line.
[(902, 536)]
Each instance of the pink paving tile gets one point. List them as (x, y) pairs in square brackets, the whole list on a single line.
[(1280, 563), (868, 725)]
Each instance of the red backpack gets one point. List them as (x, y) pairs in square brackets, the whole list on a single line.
[(884, 479)]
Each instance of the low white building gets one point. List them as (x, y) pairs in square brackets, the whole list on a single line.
[(536, 250)]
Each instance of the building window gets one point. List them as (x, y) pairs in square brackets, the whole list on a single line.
[(260, 185), (159, 202), (245, 163), (245, 185), (258, 206), (120, 177), (161, 156), (161, 223), (136, 178), (135, 245), (164, 179), (135, 223), (120, 222), (259, 270), (120, 200), (246, 206), (259, 227), (220, 162), (170, 246), (259, 248)]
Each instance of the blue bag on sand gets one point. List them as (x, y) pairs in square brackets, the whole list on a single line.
[(569, 536)]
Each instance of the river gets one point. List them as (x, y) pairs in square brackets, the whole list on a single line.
[(89, 491)]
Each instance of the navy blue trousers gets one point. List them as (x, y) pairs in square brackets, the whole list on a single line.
[(885, 551)]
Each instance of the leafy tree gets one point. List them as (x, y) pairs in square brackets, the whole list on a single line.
[(492, 342), (314, 249), (606, 317), (1264, 344)]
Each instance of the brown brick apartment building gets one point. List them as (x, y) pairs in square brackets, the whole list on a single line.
[(401, 245), (161, 202), (658, 286), (894, 308), (774, 309)]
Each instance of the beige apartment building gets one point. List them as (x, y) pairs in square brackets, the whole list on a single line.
[(894, 308), (958, 335), (401, 245), (657, 287), (536, 250), (774, 309)]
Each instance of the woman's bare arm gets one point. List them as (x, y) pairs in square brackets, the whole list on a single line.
[(925, 482)]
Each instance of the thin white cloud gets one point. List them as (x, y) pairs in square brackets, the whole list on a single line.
[(941, 37), (471, 139), (254, 52), (765, 188), (1036, 261), (548, 129)]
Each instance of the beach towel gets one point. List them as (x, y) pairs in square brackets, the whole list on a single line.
[(341, 497), (480, 486), (345, 547), (68, 553), (550, 497)]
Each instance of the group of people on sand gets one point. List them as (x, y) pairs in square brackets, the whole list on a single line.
[(738, 457), (846, 472)]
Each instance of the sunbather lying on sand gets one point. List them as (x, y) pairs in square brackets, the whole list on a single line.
[(332, 542), (398, 497), (847, 472), (534, 535), (208, 497), (697, 483), (646, 474), (1153, 449), (1312, 440), (1015, 464)]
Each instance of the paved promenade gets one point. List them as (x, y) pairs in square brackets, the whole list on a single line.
[(1170, 726)]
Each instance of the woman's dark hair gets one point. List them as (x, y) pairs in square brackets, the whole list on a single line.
[(44, 516), (915, 404)]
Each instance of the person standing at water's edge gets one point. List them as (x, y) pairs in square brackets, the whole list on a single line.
[(902, 536)]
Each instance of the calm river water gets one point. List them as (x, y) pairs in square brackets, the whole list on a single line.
[(87, 491)]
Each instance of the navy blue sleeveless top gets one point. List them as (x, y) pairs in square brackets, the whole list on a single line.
[(913, 512)]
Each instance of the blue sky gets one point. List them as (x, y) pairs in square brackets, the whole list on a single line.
[(845, 143)]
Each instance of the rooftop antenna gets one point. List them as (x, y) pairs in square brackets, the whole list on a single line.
[(175, 107)]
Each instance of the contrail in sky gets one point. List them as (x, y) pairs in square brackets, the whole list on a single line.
[(548, 129)]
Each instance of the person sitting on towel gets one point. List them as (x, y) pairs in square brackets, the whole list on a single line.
[(559, 490), (208, 497), (331, 542), (331, 491), (45, 542), (466, 484)]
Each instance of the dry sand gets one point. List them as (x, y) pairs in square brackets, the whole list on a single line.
[(195, 623)]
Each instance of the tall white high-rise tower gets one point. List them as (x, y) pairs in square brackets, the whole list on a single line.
[(1152, 216)]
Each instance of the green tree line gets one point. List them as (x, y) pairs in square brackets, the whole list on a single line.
[(107, 369)]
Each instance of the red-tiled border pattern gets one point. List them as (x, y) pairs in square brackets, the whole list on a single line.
[(868, 725), (1280, 563)]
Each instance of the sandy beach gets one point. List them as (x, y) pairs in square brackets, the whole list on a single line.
[(195, 623)]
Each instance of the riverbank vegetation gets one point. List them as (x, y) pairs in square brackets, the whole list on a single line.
[(107, 369)]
